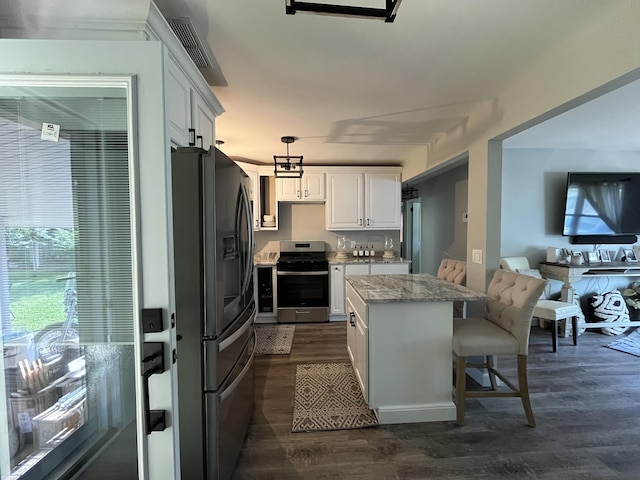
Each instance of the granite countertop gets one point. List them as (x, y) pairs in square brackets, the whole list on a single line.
[(409, 288), (331, 256), (271, 259), (266, 258)]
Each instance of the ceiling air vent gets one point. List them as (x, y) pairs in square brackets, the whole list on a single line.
[(199, 53)]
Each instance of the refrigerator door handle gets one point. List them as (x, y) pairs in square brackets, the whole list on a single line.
[(249, 260), (230, 389), (237, 334)]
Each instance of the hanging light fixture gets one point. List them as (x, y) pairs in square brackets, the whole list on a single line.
[(388, 14), (287, 166)]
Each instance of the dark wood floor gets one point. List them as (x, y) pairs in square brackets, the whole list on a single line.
[(586, 400)]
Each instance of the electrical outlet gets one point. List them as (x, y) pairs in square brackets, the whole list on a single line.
[(476, 256)]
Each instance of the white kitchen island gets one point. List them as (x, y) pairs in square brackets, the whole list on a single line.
[(399, 332)]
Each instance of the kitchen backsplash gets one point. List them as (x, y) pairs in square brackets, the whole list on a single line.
[(307, 222)]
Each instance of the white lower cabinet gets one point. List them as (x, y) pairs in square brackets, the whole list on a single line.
[(357, 269), (338, 272), (401, 355), (357, 343), (377, 269), (336, 280), (389, 268)]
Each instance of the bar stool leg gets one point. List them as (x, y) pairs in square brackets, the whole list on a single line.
[(554, 335), (574, 323)]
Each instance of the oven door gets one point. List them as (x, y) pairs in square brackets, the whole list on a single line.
[(303, 296)]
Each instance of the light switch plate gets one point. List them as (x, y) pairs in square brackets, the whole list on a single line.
[(476, 256)]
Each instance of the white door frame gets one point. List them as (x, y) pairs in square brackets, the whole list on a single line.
[(412, 233), (140, 65)]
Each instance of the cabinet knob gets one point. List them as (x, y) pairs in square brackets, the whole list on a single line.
[(360, 221), (306, 193), (352, 319), (368, 222)]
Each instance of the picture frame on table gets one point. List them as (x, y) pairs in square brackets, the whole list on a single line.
[(603, 253), (630, 256), (592, 257)]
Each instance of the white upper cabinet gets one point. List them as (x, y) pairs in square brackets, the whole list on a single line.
[(383, 194), (254, 197), (309, 188), (203, 120), (363, 200), (178, 105), (187, 110), (345, 201)]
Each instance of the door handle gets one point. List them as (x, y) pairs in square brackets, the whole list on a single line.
[(152, 363), (306, 193), (298, 194), (352, 319)]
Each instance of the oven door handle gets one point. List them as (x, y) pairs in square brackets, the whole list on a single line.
[(302, 273)]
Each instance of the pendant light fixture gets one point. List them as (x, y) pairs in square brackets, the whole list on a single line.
[(388, 14), (287, 166)]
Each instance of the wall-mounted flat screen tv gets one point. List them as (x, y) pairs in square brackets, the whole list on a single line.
[(602, 204)]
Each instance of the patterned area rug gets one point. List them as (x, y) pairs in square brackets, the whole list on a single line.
[(328, 397), (628, 344), (274, 339)]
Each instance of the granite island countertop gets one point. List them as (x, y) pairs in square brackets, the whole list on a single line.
[(409, 288)]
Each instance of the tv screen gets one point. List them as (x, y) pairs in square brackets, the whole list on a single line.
[(602, 204)]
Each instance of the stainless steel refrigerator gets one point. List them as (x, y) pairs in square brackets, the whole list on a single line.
[(215, 310)]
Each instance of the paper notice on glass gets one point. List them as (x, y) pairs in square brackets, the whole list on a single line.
[(50, 132)]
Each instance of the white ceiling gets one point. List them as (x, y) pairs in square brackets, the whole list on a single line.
[(611, 121), (361, 91)]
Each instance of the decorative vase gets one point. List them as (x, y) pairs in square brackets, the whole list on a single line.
[(341, 247)]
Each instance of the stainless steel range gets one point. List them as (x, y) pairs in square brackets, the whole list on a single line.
[(303, 282)]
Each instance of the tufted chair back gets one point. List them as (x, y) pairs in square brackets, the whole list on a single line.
[(512, 298), (453, 271)]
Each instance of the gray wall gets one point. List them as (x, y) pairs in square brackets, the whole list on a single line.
[(533, 190), (444, 234)]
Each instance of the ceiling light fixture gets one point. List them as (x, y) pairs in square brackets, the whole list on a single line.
[(387, 14), (287, 166)]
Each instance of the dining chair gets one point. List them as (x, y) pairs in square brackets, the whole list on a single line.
[(454, 271), (546, 310), (504, 330)]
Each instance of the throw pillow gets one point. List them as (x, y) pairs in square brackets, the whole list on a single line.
[(610, 307)]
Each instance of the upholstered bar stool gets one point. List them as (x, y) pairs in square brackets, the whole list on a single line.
[(504, 330), (547, 310), (454, 271)]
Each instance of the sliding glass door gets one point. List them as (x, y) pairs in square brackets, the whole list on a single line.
[(67, 282)]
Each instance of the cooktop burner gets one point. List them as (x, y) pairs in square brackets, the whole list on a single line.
[(302, 255)]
